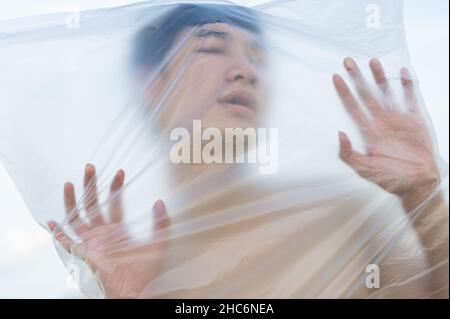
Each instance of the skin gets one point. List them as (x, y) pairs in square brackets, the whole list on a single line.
[(399, 158), (96, 235), (222, 60)]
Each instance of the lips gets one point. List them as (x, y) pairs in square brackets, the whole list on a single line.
[(240, 101)]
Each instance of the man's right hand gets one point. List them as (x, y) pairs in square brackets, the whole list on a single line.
[(123, 266)]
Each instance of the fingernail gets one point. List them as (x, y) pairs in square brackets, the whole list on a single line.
[(405, 74), (120, 172), (375, 60), (159, 207), (89, 167), (349, 63), (337, 81), (51, 225)]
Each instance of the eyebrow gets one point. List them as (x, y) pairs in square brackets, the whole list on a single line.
[(204, 33)]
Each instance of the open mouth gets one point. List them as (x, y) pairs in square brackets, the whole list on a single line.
[(240, 101)]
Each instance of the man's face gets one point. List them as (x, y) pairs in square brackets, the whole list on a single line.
[(215, 75)]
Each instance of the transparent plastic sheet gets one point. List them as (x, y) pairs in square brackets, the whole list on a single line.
[(115, 132)]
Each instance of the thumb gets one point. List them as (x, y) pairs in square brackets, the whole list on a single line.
[(354, 159), (160, 217)]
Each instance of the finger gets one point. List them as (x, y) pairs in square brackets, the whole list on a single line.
[(380, 76), (369, 100), (72, 211), (160, 217), (90, 197), (409, 90), (70, 203), (354, 159), (160, 222), (116, 209), (349, 101)]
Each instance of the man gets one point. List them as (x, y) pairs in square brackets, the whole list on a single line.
[(207, 62)]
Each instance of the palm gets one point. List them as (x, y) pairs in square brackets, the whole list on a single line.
[(400, 154), (123, 266)]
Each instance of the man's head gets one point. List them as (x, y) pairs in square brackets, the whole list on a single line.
[(206, 62)]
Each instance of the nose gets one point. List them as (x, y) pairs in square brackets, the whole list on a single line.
[(242, 71)]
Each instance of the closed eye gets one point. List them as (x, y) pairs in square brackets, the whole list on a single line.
[(212, 50), (205, 33), (211, 41)]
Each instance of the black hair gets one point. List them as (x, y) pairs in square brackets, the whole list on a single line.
[(154, 42)]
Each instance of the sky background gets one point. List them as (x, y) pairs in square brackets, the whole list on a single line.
[(29, 265)]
